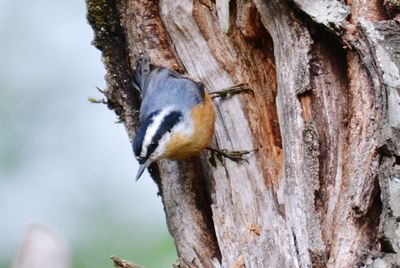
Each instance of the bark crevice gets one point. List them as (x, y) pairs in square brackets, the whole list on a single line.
[(324, 116)]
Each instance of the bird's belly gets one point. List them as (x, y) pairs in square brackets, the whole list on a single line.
[(182, 147)]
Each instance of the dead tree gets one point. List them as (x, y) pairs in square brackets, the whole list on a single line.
[(323, 188)]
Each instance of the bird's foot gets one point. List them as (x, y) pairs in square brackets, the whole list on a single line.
[(235, 156), (230, 91)]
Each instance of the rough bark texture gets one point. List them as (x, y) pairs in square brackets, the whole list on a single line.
[(323, 188)]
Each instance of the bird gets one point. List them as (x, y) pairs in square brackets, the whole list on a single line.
[(177, 115)]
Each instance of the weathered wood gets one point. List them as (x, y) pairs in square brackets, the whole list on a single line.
[(325, 117), (237, 197)]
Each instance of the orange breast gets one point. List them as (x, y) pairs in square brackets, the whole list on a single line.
[(182, 147)]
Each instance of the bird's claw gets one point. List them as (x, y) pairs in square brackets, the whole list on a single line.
[(235, 156), (230, 91)]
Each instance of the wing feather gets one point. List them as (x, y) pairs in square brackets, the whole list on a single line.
[(162, 87)]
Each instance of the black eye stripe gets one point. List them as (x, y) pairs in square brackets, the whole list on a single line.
[(166, 125), (137, 143)]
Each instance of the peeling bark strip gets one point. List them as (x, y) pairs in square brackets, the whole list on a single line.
[(321, 190)]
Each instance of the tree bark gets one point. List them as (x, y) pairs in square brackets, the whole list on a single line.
[(323, 188)]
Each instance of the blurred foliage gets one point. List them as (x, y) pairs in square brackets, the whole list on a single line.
[(63, 160)]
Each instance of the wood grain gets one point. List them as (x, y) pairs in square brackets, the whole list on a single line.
[(325, 118)]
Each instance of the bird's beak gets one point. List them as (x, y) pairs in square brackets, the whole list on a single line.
[(141, 169)]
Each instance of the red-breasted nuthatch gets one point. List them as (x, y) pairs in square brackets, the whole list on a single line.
[(177, 116)]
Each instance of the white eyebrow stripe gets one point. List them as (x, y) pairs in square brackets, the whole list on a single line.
[(152, 130)]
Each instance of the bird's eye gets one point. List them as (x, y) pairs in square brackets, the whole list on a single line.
[(153, 143)]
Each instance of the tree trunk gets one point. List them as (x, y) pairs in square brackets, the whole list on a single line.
[(323, 188)]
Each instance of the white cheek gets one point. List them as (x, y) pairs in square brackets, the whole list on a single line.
[(162, 146), (152, 130), (185, 128)]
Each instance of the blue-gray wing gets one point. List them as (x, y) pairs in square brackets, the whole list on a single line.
[(163, 87)]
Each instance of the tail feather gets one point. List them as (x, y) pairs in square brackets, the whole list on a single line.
[(141, 72)]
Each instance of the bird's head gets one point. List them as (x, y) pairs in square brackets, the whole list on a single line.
[(153, 136)]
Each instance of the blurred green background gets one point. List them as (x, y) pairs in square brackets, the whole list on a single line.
[(63, 161)]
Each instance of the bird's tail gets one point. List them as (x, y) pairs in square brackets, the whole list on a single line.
[(141, 72)]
